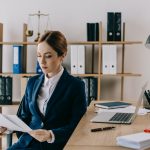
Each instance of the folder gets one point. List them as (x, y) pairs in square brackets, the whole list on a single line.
[(8, 86), (81, 59), (74, 59), (109, 59), (110, 26), (17, 65), (2, 90), (117, 26)]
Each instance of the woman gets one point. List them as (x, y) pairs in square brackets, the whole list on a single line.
[(54, 102)]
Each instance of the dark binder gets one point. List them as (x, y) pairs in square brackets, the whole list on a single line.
[(92, 31), (93, 88), (8, 86), (110, 26), (2, 90), (87, 90), (117, 26), (89, 32)]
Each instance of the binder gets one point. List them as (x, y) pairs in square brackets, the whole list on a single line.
[(109, 59), (17, 58), (87, 91), (93, 88), (2, 90), (89, 32), (92, 31), (77, 59), (110, 26), (74, 59), (81, 59), (38, 68), (117, 26), (8, 86)]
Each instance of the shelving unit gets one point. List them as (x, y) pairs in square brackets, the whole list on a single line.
[(99, 43)]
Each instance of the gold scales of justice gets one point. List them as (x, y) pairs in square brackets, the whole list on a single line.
[(29, 31)]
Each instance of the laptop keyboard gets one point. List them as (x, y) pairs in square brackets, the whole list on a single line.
[(121, 117)]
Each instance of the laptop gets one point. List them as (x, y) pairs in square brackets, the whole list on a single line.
[(118, 117)]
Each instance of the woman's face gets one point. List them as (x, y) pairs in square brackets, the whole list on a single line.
[(48, 59)]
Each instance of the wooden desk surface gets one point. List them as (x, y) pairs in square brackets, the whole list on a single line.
[(84, 139)]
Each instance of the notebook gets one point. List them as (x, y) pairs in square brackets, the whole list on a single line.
[(117, 117), (112, 105)]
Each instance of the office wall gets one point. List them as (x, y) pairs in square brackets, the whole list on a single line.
[(71, 17)]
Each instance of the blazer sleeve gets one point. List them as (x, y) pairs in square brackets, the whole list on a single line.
[(23, 111), (79, 105)]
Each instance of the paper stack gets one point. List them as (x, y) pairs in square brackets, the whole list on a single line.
[(139, 141)]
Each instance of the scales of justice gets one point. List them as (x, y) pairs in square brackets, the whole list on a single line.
[(29, 31)]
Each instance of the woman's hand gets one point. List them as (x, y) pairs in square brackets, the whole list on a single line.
[(2, 130), (41, 135)]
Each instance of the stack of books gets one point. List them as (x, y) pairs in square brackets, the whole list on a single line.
[(138, 141)]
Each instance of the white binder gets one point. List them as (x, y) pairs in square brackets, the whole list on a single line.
[(74, 57), (77, 59), (81, 59), (109, 59)]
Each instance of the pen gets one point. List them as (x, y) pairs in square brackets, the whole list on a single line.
[(102, 129), (147, 130)]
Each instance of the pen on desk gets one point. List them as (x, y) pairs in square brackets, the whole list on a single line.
[(102, 129)]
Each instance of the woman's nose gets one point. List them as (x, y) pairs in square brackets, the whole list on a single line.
[(42, 60)]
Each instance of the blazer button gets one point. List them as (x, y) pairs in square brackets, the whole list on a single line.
[(42, 124)]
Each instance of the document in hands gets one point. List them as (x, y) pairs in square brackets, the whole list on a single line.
[(13, 123), (138, 141)]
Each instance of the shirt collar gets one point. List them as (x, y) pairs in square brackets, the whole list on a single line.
[(53, 79)]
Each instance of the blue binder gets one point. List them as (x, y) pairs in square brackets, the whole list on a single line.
[(17, 67)]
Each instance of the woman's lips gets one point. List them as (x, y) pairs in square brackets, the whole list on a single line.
[(44, 67)]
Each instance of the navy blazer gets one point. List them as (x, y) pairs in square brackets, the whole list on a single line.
[(64, 110)]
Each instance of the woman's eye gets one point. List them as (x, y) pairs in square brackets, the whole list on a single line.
[(38, 56), (48, 56)]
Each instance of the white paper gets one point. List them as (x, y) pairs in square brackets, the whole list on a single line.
[(136, 141), (13, 123), (129, 109)]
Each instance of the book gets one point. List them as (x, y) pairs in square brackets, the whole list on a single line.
[(112, 105), (139, 140), (13, 123)]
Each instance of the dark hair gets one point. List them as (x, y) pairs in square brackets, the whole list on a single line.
[(56, 40)]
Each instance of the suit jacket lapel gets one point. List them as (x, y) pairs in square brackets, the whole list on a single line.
[(37, 86), (57, 92)]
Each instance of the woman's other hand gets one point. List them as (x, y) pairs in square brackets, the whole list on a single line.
[(41, 135)]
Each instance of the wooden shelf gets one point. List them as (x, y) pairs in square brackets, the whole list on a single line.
[(22, 74), (123, 75), (18, 43), (86, 75), (122, 42), (75, 42)]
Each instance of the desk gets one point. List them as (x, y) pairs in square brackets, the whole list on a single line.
[(83, 139)]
